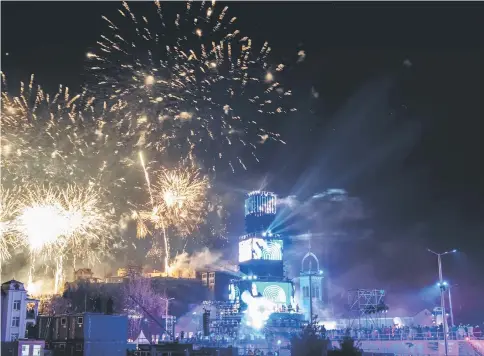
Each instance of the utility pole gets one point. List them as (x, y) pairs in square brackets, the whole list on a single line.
[(442, 303), (310, 286), (450, 307), (442, 285), (310, 297)]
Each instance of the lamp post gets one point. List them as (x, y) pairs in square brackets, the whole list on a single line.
[(442, 285)]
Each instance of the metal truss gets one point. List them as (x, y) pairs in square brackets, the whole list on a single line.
[(365, 302)]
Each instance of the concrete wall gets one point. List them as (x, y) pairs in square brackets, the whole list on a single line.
[(421, 347)]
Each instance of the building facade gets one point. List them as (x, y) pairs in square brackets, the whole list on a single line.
[(84, 334), (310, 284), (18, 311)]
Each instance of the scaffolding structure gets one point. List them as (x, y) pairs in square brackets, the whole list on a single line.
[(366, 305), (226, 319)]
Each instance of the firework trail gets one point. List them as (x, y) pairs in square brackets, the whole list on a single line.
[(147, 177), (178, 202), (179, 82)]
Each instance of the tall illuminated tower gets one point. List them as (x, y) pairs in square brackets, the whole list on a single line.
[(261, 253), (260, 211), (260, 250)]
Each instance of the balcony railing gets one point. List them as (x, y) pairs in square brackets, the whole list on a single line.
[(404, 336)]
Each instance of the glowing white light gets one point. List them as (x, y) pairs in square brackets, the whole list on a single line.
[(259, 309), (44, 224), (149, 80)]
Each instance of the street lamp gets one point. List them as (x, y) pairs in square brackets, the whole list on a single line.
[(447, 285), (442, 286)]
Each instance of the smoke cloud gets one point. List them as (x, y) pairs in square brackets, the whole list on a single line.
[(202, 260)]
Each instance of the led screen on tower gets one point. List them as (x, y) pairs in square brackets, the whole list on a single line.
[(260, 249), (279, 293)]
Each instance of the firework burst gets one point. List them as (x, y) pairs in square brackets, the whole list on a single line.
[(8, 210), (63, 225), (38, 130), (178, 202), (178, 82), (58, 221), (59, 138)]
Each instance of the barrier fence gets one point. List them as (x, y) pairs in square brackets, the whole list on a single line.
[(335, 336)]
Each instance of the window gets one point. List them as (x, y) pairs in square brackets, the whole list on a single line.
[(14, 337), (16, 305), (63, 321), (25, 350), (306, 292), (36, 351), (78, 347), (62, 346), (316, 292), (80, 320), (16, 322)]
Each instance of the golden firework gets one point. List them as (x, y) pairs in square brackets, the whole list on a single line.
[(9, 208), (71, 220), (178, 202)]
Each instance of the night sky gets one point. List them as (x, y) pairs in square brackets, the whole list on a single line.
[(389, 101)]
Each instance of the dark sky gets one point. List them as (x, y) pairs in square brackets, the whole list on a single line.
[(397, 122)]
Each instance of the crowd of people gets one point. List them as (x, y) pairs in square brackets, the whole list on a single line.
[(436, 332)]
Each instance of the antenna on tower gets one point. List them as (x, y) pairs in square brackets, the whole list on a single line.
[(309, 248)]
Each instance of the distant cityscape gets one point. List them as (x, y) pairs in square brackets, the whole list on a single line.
[(249, 306)]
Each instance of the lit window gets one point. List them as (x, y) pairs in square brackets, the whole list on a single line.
[(80, 320), (25, 350), (36, 351), (306, 292), (16, 322), (16, 305)]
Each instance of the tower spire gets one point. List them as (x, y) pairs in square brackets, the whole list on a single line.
[(309, 241)]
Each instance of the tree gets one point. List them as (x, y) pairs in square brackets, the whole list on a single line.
[(311, 341), (141, 303), (348, 347)]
